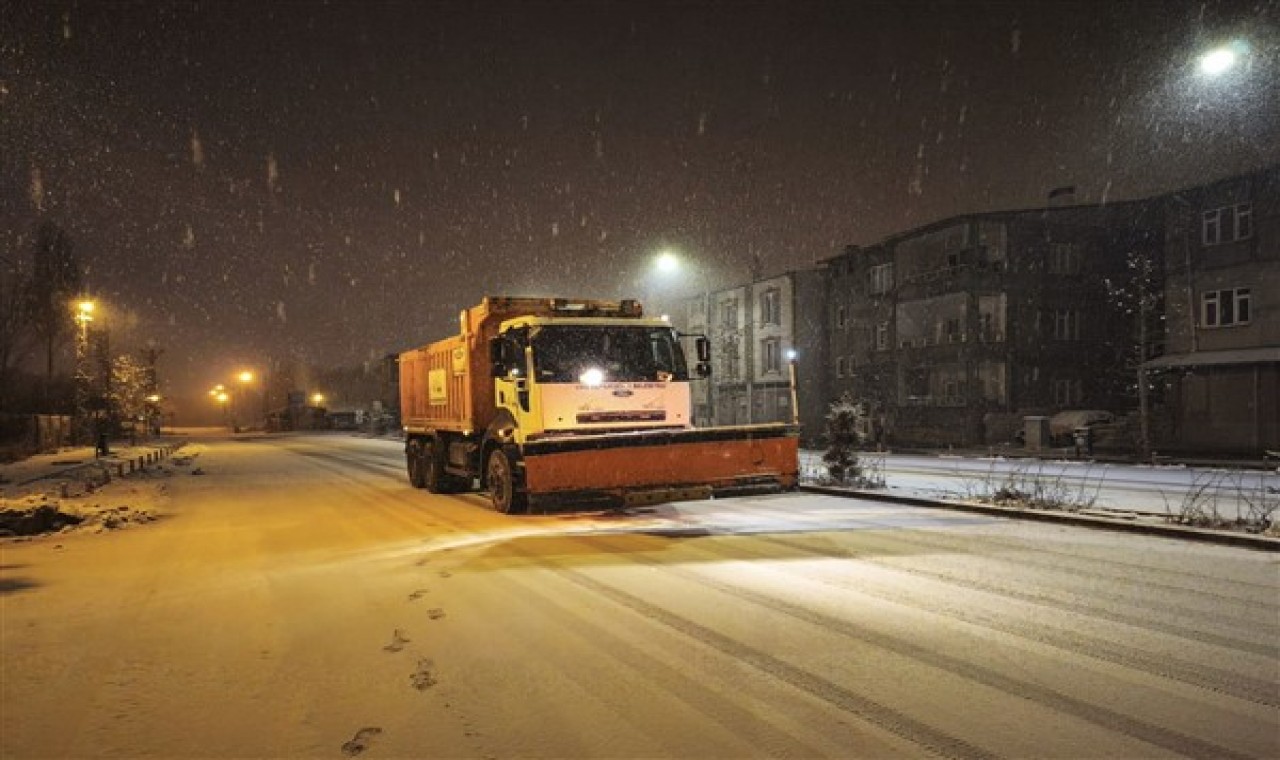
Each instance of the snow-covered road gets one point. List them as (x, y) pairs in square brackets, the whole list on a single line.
[(301, 600)]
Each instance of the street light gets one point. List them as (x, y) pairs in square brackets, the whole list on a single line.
[(668, 262), (1224, 58), (83, 384), (317, 399), (792, 355)]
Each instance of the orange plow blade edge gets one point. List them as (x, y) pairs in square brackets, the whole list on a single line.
[(652, 467)]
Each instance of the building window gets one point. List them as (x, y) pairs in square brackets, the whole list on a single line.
[(1227, 224), (952, 331), (731, 360), (1064, 258), (729, 314), (881, 279), (1066, 324), (771, 307), (1066, 392), (1225, 308), (842, 317), (771, 355), (882, 336), (840, 366)]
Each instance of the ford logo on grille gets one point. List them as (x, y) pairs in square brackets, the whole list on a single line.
[(623, 393)]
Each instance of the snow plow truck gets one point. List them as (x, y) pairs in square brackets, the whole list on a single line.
[(545, 401)]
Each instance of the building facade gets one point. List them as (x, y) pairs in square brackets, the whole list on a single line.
[(1163, 311), (763, 334), (1221, 365), (951, 333)]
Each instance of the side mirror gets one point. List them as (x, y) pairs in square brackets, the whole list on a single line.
[(703, 347)]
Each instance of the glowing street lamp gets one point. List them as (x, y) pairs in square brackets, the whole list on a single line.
[(84, 313), (668, 263), (317, 399), (1224, 58), (84, 378)]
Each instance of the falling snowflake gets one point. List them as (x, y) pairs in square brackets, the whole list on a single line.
[(37, 188), (273, 173), (197, 150)]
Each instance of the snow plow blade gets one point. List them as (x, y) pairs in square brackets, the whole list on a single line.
[(658, 466)]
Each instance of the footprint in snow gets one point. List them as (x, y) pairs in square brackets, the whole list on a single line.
[(423, 678), (398, 640), (435, 613), (415, 596), (361, 741)]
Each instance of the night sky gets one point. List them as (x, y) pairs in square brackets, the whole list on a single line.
[(263, 182)]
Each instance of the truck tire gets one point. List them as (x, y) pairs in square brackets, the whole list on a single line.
[(505, 491), (415, 464), (434, 457)]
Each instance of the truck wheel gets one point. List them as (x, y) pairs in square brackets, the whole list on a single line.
[(433, 462), (414, 463), (506, 494)]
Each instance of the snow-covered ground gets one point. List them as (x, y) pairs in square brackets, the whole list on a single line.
[(1233, 493), (73, 490), (301, 600)]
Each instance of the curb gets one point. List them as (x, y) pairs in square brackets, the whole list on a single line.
[(121, 468), (1182, 532)]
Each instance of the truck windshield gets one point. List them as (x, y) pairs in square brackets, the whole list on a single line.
[(563, 354)]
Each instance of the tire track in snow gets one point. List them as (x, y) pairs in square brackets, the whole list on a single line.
[(1258, 691), (865, 709), (1089, 565), (682, 685), (1051, 597), (1042, 695)]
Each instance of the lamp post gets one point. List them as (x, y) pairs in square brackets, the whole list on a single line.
[(795, 405), (83, 316), (222, 398), (669, 263), (246, 378)]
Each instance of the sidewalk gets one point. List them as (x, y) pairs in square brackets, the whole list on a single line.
[(73, 462), (1108, 456)]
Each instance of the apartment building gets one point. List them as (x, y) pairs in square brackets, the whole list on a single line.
[(1221, 366), (953, 332), (760, 332)]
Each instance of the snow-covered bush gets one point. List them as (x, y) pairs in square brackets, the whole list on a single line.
[(844, 423)]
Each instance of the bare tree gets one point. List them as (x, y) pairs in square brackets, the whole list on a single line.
[(1137, 293), (14, 286), (55, 279)]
